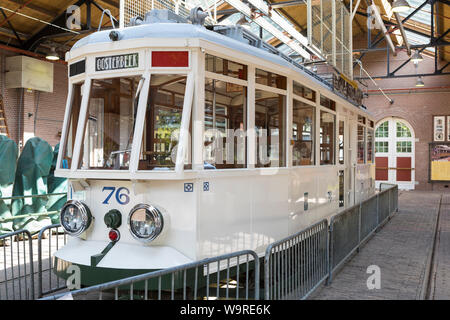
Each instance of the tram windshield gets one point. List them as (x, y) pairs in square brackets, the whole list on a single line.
[(110, 121), (163, 123)]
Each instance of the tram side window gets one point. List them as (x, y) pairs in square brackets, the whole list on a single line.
[(72, 127), (327, 138), (111, 114), (341, 142), (226, 67), (303, 134), (271, 79), (270, 128), (304, 92), (225, 125), (327, 103), (162, 124), (361, 144), (370, 145)]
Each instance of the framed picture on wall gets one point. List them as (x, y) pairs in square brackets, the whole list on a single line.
[(448, 128), (439, 128)]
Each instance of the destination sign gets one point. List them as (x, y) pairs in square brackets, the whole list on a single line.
[(123, 61)]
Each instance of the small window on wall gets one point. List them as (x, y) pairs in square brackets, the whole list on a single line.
[(303, 134), (304, 92), (225, 125), (162, 123), (327, 137), (72, 126), (404, 146), (341, 142), (403, 131), (381, 146), (361, 144), (327, 103), (271, 79), (383, 130), (369, 146), (270, 127), (226, 67)]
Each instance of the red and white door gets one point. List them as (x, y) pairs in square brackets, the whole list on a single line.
[(394, 153)]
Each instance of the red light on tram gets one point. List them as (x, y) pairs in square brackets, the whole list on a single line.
[(114, 235), (177, 59)]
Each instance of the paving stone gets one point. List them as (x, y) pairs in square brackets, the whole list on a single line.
[(441, 287)]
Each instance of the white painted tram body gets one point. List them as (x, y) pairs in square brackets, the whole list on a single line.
[(155, 93)]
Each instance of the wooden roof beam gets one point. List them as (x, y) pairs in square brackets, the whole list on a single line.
[(110, 3), (35, 8)]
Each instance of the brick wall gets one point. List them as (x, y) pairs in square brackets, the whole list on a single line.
[(413, 105), (35, 113)]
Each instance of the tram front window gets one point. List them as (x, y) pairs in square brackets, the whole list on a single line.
[(71, 129), (163, 123), (109, 128)]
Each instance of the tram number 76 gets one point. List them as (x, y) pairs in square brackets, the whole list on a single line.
[(122, 195)]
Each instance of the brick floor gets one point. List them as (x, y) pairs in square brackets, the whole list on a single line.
[(440, 288), (401, 250)]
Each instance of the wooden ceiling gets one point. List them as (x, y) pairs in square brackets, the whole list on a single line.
[(22, 22)]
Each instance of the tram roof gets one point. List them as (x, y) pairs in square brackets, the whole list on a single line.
[(186, 30)]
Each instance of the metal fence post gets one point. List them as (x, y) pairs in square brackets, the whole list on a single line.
[(256, 278), (378, 210), (39, 294), (30, 245), (330, 252), (396, 201), (267, 274), (359, 226), (389, 201)]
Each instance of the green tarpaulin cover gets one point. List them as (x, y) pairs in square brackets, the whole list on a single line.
[(8, 160), (33, 169)]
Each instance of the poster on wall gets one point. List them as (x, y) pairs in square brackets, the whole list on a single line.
[(439, 128), (440, 161)]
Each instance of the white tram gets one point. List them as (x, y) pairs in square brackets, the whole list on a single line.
[(182, 142)]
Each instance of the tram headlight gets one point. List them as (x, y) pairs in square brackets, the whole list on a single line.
[(145, 222), (75, 217)]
